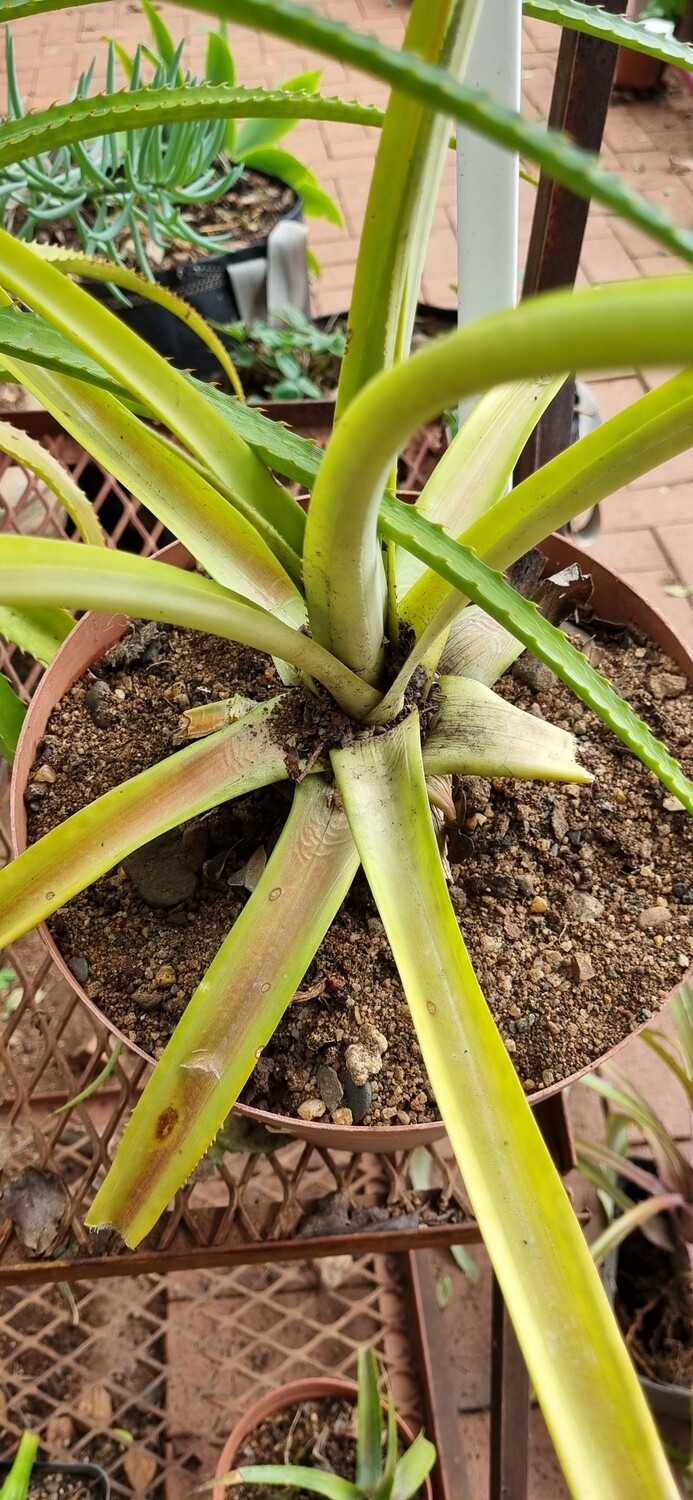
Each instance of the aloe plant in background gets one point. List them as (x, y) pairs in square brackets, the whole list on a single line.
[(387, 1476), (360, 569)]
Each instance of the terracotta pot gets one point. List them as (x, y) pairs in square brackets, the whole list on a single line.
[(636, 71), (613, 599), (290, 1395)]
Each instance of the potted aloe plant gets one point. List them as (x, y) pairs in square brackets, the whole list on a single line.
[(328, 1437), (368, 639), (208, 209)]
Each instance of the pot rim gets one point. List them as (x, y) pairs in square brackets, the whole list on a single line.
[(617, 602), (312, 1388)]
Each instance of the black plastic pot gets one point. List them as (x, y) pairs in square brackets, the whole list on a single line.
[(206, 284), (666, 1399), (97, 1482)]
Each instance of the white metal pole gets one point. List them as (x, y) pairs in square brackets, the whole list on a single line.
[(487, 176)]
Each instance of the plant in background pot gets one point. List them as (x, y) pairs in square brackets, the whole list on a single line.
[(209, 208), (388, 626), (324, 1447), (648, 1197), (285, 360), (25, 1479)]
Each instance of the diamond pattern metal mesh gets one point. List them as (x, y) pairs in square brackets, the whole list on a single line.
[(146, 1376)]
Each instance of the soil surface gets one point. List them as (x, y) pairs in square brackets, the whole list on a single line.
[(316, 1434), (65, 1487), (654, 1303), (576, 902), (245, 215)]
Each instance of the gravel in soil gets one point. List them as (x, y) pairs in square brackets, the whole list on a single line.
[(65, 1487), (654, 1304), (245, 215), (576, 902)]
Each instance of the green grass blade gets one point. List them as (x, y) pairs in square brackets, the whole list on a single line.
[(37, 630), (476, 733), (623, 32), (33, 456), (567, 164), (369, 1423), (12, 714), (81, 119), (598, 1418), (232, 1014), (632, 1219), (90, 268), (164, 390), (101, 835), (476, 581), (120, 583)]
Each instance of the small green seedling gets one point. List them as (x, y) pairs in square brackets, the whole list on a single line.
[(381, 1473), (16, 1486)]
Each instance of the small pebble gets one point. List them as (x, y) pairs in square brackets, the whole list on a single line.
[(45, 773), (79, 967), (654, 919), (96, 702), (358, 1098), (342, 1116), (684, 961), (528, 1085), (362, 1062), (403, 1117), (667, 685), (311, 1109), (165, 977), (581, 967), (148, 999), (581, 907), (329, 1088), (539, 905)]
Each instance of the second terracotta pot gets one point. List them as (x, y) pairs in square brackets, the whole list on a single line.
[(319, 1389)]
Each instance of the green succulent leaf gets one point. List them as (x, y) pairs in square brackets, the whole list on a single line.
[(561, 1315), (369, 1422), (37, 630), (479, 583), (476, 733), (233, 1013), (593, 21), (12, 715), (81, 119), (120, 583), (35, 457), (102, 834)]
